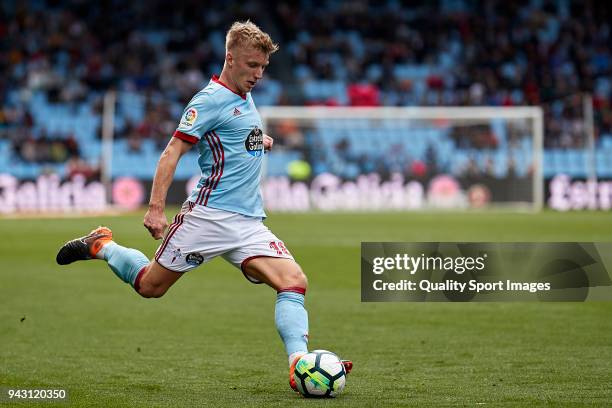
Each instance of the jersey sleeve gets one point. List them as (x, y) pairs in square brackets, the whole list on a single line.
[(199, 117)]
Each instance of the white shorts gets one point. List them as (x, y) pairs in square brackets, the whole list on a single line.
[(199, 233)]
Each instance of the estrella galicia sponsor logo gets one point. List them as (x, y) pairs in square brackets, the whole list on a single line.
[(194, 259), (254, 142), (188, 118)]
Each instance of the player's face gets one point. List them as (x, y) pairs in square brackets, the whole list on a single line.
[(247, 67)]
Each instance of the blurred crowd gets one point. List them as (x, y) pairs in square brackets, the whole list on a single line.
[(446, 52), (499, 53)]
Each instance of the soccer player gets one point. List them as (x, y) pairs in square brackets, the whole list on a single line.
[(224, 214)]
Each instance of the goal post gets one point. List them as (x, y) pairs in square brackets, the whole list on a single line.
[(404, 158)]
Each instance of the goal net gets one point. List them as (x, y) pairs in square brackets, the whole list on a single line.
[(378, 159)]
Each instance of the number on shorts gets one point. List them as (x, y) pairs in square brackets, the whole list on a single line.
[(280, 248), (283, 248)]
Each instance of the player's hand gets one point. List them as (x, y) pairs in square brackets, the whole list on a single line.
[(268, 143), (155, 221)]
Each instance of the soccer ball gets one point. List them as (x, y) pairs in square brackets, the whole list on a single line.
[(319, 373)]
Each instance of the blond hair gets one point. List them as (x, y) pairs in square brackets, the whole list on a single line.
[(248, 34)]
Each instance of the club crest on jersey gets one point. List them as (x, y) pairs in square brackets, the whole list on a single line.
[(176, 254), (254, 142), (189, 118)]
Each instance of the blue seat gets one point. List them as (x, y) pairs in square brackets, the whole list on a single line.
[(500, 165), (606, 141), (603, 163)]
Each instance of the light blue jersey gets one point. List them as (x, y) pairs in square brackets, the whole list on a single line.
[(226, 128)]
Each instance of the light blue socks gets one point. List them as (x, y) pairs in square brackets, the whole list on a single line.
[(291, 321), (125, 262)]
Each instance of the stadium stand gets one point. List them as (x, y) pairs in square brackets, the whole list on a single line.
[(60, 57)]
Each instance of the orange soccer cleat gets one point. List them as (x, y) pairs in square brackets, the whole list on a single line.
[(85, 247), (292, 383), (348, 365)]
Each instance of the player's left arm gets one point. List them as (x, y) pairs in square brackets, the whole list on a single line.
[(268, 142)]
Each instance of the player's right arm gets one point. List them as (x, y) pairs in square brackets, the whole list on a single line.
[(155, 218), (200, 115)]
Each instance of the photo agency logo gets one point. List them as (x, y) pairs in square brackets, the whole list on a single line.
[(463, 272)]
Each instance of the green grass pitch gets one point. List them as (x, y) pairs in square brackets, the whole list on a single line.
[(211, 340)]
